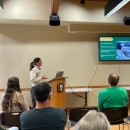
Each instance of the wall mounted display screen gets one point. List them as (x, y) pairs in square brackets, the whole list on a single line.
[(114, 48)]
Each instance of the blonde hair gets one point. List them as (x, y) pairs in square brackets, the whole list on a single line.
[(93, 120)]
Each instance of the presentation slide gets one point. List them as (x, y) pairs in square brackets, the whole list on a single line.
[(114, 48)]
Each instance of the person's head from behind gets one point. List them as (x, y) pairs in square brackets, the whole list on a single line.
[(113, 79), (42, 92), (93, 120), (36, 62), (12, 86)]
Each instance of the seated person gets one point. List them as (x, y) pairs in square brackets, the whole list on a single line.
[(93, 120), (13, 100), (43, 116), (114, 96)]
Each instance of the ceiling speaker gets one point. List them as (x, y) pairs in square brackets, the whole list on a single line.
[(126, 20), (54, 20)]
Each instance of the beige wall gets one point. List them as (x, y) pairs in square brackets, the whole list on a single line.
[(77, 55)]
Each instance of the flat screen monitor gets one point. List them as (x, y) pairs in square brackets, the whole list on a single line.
[(114, 48)]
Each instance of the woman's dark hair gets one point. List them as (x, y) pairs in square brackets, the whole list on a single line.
[(34, 63), (12, 86)]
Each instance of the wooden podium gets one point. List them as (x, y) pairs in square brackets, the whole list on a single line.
[(58, 95)]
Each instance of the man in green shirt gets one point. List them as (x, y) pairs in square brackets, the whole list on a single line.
[(114, 96)]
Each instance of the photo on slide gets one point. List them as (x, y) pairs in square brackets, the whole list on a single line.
[(123, 50)]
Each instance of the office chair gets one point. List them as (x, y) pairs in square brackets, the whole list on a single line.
[(116, 116), (76, 114), (10, 119)]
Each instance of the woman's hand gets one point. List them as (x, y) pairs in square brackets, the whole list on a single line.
[(44, 77)]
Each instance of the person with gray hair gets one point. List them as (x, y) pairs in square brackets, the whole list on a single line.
[(93, 120)]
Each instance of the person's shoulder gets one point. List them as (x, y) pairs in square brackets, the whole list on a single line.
[(34, 69), (58, 109), (26, 113), (18, 94), (104, 90), (61, 112), (122, 89)]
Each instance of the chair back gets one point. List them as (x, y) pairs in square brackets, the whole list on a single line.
[(116, 114), (76, 114), (10, 119)]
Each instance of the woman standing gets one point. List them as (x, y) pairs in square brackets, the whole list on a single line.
[(13, 100), (35, 77)]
